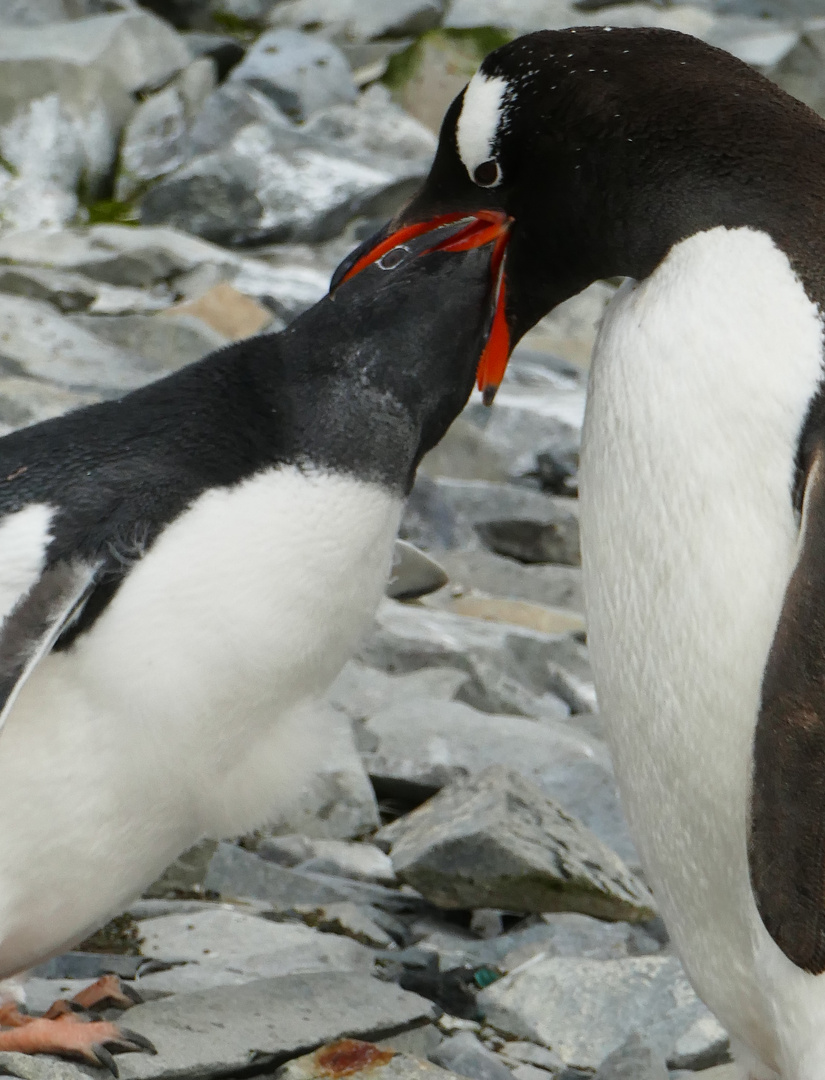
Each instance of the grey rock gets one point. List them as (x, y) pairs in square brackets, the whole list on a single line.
[(361, 922), (553, 540), (466, 1055), (413, 573), (359, 1058), (551, 934), (554, 586), (224, 947), (633, 1060), (703, 1045), (27, 401), (800, 72), (301, 73), (215, 1033), (361, 691), (237, 873), (361, 862), (584, 1009), (285, 850), (528, 423), (65, 91), (474, 504), (154, 142), (268, 186), (166, 342), (420, 1042), (359, 20), (40, 12), (37, 342), (75, 292), (256, 177), (223, 49), (528, 1053), (495, 840), (185, 874), (29, 1067), (428, 743)]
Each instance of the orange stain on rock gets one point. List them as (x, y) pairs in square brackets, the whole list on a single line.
[(348, 1056)]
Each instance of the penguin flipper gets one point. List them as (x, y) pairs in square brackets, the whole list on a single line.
[(34, 624), (786, 843)]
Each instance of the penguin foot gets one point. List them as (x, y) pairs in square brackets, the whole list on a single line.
[(107, 993), (70, 1036)]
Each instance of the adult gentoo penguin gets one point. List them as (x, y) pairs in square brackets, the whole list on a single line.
[(648, 154), (182, 574)]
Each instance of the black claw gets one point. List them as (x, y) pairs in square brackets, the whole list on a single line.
[(105, 1059), (139, 1040), (131, 993)]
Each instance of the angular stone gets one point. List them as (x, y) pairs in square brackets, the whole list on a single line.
[(361, 862), (553, 540), (300, 73), (361, 691), (166, 342), (351, 1057), (354, 921), (527, 1053), (359, 20), (75, 292), (224, 947), (234, 872), (584, 1009), (413, 573), (154, 142), (37, 342), (552, 586), (263, 186), (495, 840), (215, 1033), (466, 1055), (429, 743), (633, 1060), (27, 401), (465, 454)]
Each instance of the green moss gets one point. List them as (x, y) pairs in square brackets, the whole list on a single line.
[(111, 212), (7, 165), (121, 935), (246, 30), (472, 43)]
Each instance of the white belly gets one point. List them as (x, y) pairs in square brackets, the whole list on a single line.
[(700, 384), (188, 709)]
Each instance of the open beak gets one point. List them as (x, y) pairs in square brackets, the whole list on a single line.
[(482, 227)]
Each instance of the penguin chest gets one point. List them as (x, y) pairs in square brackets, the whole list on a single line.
[(701, 381)]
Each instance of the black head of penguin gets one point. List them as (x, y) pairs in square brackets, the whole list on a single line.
[(606, 146), (388, 361)]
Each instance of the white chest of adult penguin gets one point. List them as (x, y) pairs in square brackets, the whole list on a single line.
[(648, 154), (182, 573)]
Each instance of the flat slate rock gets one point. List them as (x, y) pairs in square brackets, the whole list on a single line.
[(235, 873), (223, 947), (220, 1032), (351, 1057), (585, 1009), (495, 840)]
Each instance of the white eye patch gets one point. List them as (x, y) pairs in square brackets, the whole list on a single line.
[(481, 115)]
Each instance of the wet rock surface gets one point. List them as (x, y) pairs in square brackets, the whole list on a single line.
[(177, 175)]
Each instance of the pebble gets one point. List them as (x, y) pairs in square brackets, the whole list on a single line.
[(466, 1055)]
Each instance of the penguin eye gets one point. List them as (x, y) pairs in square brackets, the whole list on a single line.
[(488, 173)]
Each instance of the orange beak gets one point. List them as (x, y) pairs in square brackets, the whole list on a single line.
[(483, 227)]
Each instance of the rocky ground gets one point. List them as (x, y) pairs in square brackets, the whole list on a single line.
[(457, 892)]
